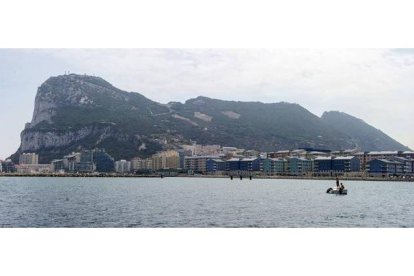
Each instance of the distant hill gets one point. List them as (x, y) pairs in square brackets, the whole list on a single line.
[(363, 135), (74, 112)]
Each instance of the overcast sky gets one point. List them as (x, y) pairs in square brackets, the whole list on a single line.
[(376, 85)]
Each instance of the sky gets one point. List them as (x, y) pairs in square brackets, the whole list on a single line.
[(376, 85)]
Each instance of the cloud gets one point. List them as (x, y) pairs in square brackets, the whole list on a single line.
[(373, 84)]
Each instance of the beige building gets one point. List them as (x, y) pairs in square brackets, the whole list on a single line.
[(34, 168), (166, 160), (29, 159), (203, 149), (141, 164), (197, 163)]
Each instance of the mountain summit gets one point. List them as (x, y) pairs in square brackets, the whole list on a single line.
[(74, 112)]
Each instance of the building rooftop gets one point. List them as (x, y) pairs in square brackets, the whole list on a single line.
[(317, 152), (218, 160), (249, 159), (382, 152), (344, 157), (277, 159), (202, 157), (399, 158), (299, 158), (233, 159), (385, 161), (323, 158)]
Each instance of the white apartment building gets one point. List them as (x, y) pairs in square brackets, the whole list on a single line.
[(122, 166)]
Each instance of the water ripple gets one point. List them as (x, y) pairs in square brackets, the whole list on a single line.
[(201, 202)]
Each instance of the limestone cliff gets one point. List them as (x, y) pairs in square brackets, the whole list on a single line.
[(74, 112)]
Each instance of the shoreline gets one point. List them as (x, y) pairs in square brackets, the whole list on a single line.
[(235, 178)]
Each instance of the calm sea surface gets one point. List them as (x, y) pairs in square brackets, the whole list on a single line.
[(201, 202)]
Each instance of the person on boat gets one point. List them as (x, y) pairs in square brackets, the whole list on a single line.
[(337, 183), (341, 188)]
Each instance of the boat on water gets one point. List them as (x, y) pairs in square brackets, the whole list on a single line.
[(337, 191)]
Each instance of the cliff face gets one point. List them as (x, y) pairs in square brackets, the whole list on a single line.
[(74, 112)]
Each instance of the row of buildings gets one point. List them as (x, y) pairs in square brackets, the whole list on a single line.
[(88, 161), (308, 161), (291, 165), (213, 159)]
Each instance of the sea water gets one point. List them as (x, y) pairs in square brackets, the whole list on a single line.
[(201, 202)]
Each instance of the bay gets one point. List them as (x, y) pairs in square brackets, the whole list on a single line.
[(202, 202)]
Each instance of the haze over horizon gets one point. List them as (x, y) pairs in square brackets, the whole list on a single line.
[(372, 84)]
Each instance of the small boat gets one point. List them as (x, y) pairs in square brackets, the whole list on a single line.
[(337, 191)]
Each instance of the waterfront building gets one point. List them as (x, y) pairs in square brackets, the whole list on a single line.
[(274, 166), (86, 164), (268, 166), (299, 165), (322, 164), (86, 156), (166, 160), (136, 164), (243, 164), (280, 165), (183, 153), (84, 167), (157, 162), (384, 167), (345, 164), (71, 160), (29, 158), (33, 168), (147, 164), (372, 155), (362, 156), (336, 165), (250, 164), (233, 164), (215, 165), (122, 166), (197, 163), (8, 166), (408, 154), (89, 161), (407, 164), (103, 161), (58, 165), (412, 166), (365, 157)]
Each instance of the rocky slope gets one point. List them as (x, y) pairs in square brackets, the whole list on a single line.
[(78, 111), (363, 135)]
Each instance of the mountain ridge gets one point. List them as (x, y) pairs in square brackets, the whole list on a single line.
[(73, 112)]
